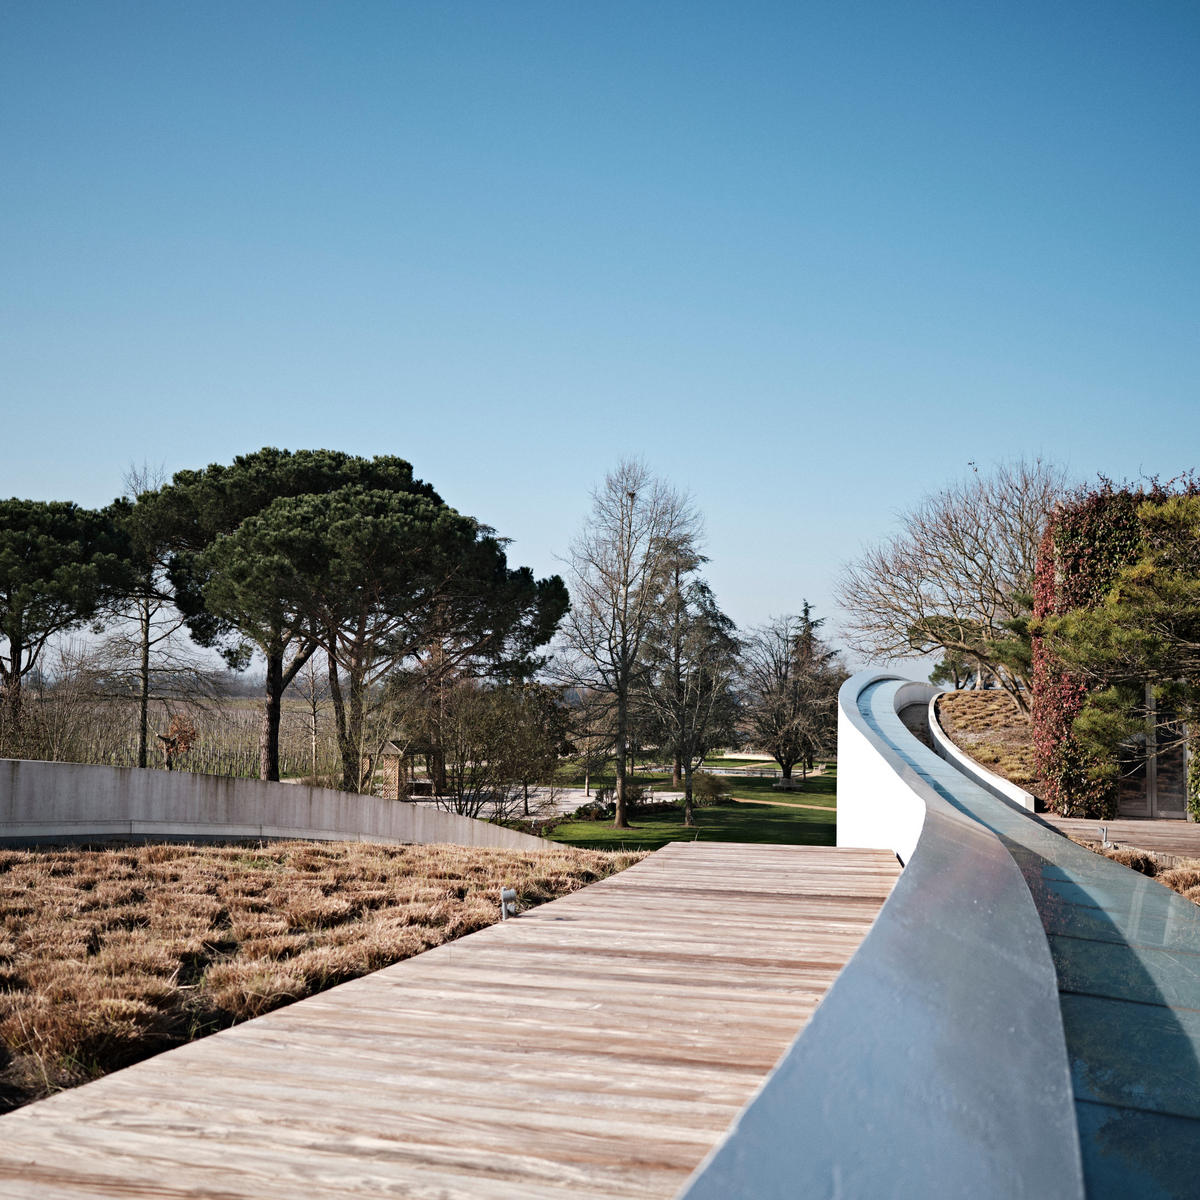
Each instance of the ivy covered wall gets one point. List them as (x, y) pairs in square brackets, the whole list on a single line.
[(1083, 547), (1089, 542)]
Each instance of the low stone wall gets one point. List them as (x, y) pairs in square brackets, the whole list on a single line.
[(49, 802)]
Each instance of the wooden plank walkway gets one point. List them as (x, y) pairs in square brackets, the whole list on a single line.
[(1178, 838), (597, 1046)]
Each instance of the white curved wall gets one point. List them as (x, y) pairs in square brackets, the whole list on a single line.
[(876, 807), (1002, 789), (42, 801), (936, 1064)]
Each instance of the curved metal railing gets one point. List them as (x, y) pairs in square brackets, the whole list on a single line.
[(937, 1063)]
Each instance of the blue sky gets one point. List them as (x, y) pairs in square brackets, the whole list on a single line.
[(808, 260)]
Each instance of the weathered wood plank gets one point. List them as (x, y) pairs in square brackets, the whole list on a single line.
[(1180, 839), (598, 1046)]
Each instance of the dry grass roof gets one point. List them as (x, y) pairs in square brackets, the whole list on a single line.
[(991, 728), (110, 955)]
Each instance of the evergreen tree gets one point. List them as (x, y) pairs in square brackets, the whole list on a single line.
[(690, 665), (790, 685), (200, 506), (374, 577), (1145, 632), (58, 565)]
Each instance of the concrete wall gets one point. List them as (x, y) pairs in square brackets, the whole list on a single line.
[(876, 807), (1002, 789), (41, 802)]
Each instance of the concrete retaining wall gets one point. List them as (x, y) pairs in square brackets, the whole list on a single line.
[(876, 807), (1002, 789), (45, 802)]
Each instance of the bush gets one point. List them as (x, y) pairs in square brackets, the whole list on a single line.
[(597, 809), (708, 789), (635, 795)]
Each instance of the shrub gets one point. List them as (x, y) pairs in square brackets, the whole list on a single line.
[(708, 788), (594, 810), (635, 794)]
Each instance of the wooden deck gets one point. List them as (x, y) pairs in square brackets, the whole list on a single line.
[(1180, 839), (596, 1046)]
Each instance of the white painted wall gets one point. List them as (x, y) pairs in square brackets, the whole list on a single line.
[(43, 801), (1003, 789), (876, 808)]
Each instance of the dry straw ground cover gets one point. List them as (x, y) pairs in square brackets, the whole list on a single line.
[(1183, 877), (110, 955), (990, 727)]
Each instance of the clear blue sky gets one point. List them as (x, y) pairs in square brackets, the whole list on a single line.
[(807, 259)]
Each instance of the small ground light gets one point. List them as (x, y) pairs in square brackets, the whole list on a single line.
[(508, 903)]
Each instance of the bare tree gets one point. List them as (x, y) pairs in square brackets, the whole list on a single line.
[(147, 650), (590, 733), (499, 741), (313, 690), (958, 577), (60, 723), (619, 564)]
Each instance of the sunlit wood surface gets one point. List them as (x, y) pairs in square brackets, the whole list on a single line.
[(1180, 838), (596, 1046)]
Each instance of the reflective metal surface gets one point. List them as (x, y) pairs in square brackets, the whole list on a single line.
[(936, 1064)]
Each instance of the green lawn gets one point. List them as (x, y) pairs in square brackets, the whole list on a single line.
[(782, 821), (818, 789), (751, 764)]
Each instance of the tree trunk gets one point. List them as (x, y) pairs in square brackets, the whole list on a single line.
[(621, 813), (689, 813), (10, 691), (348, 748), (436, 761), (144, 684), (339, 716), (313, 739), (268, 738), (12, 706), (354, 730), (677, 773), (786, 768)]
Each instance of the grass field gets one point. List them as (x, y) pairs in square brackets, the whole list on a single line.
[(803, 818), (746, 764), (110, 955)]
